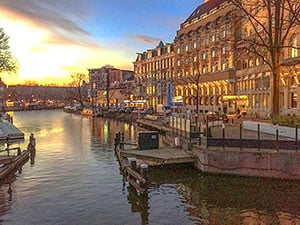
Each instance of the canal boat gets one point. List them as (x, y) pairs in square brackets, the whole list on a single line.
[(90, 112)]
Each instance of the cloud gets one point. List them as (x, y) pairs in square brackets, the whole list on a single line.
[(61, 18), (146, 39)]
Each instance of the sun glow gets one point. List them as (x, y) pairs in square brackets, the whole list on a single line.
[(45, 58)]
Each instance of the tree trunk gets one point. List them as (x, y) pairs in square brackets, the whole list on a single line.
[(275, 108)]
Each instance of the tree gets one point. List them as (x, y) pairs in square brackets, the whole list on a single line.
[(79, 80), (7, 61), (266, 28)]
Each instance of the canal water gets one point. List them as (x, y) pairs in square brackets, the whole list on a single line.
[(75, 179)]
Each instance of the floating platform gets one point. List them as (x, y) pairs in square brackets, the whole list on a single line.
[(161, 156), (9, 133)]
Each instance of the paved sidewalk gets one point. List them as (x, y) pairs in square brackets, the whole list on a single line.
[(233, 131)]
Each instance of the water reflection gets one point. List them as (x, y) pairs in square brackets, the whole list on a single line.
[(139, 203), (75, 179), (104, 130), (233, 200)]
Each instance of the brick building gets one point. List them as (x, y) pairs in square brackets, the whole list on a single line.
[(109, 84), (154, 74)]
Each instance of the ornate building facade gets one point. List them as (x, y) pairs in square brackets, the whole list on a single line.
[(204, 59), (254, 75), (208, 73), (154, 74)]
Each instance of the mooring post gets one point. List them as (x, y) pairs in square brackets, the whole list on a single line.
[(117, 139), (258, 136), (296, 138), (133, 163), (199, 126), (122, 141), (241, 136), (223, 134), (144, 174), (277, 140), (32, 143), (144, 170), (19, 151)]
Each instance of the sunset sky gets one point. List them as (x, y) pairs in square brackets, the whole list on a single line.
[(52, 39)]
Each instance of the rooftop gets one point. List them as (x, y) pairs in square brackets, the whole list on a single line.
[(204, 8)]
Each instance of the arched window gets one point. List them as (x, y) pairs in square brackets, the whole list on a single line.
[(238, 65), (251, 62), (294, 46), (257, 61)]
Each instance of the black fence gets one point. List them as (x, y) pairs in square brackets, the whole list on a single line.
[(253, 143)]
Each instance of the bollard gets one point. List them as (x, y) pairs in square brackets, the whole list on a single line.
[(19, 151), (144, 170), (241, 136), (122, 141), (133, 163), (223, 135), (117, 139), (277, 140), (258, 136), (32, 143), (296, 138)]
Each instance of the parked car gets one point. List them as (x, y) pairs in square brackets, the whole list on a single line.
[(122, 110), (129, 109), (148, 111), (136, 111), (113, 110), (215, 116)]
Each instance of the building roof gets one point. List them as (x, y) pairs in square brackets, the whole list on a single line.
[(204, 8)]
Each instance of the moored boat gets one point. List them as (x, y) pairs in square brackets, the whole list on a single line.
[(90, 112)]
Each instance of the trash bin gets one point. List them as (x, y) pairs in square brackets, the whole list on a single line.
[(148, 140)]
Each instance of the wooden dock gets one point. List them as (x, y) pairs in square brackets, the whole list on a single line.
[(14, 164), (134, 163), (160, 157), (134, 173), (15, 158), (9, 133)]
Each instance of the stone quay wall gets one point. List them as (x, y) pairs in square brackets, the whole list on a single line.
[(264, 163)]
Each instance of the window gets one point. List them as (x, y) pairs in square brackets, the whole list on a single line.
[(205, 55), (214, 52), (214, 67), (224, 64), (294, 99), (204, 69), (196, 44), (213, 38), (187, 60), (251, 62), (224, 49), (257, 61), (294, 46)]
